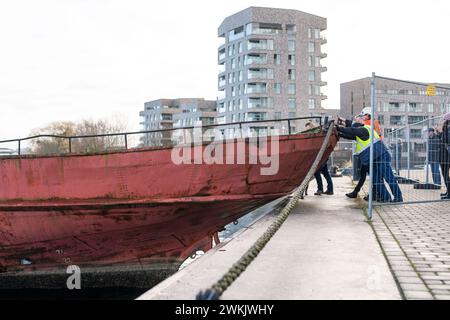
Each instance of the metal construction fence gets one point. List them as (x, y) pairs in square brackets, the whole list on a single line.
[(414, 166)]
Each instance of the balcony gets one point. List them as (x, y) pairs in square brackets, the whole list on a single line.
[(259, 44), (222, 56), (257, 59), (260, 74), (260, 102), (323, 40), (323, 55), (264, 28), (222, 82), (255, 88)]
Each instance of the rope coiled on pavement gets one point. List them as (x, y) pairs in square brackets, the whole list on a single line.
[(239, 267)]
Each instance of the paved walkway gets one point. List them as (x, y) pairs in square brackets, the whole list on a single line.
[(325, 250), (416, 241)]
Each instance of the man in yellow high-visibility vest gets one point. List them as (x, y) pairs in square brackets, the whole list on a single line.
[(382, 160)]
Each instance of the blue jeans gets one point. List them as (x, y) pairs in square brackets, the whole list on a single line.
[(384, 172), (435, 173)]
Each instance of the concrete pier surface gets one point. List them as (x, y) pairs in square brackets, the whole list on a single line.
[(324, 250)]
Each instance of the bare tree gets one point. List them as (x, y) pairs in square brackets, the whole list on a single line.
[(51, 145), (82, 144)]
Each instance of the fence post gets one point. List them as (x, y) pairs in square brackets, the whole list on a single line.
[(18, 148), (126, 142), (70, 145), (397, 168), (408, 147), (372, 113), (427, 160)]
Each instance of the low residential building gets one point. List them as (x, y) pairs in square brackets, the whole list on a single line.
[(174, 113)]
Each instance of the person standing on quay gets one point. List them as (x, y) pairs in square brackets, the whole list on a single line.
[(444, 132)]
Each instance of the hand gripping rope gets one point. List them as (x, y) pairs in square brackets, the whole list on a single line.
[(236, 270)]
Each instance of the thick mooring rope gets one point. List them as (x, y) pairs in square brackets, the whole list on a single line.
[(236, 270)]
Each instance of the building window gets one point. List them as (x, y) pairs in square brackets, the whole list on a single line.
[(291, 115), (277, 59), (240, 47), (310, 61), (291, 59), (317, 61), (317, 90), (291, 74), (310, 33), (397, 120), (255, 116), (291, 45), (291, 88), (277, 115), (233, 63), (311, 75), (431, 107), (291, 28), (240, 75), (311, 47), (292, 103), (316, 33), (415, 107), (311, 104), (277, 88), (381, 119)]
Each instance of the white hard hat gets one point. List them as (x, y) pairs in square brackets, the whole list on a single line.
[(366, 111)]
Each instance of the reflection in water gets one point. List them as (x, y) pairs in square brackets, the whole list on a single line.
[(129, 293)]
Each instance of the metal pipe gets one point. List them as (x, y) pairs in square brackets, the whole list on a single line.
[(372, 134)]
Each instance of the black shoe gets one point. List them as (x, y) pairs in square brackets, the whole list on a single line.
[(352, 195), (329, 192), (397, 200), (444, 194), (318, 193), (445, 197)]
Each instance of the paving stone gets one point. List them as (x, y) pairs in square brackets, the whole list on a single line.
[(439, 287), (412, 280), (417, 294), (402, 268), (413, 287), (443, 292), (442, 297)]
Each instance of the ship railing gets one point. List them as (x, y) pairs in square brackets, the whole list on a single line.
[(58, 144)]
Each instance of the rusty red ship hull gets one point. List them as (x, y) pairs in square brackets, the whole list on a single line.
[(135, 207)]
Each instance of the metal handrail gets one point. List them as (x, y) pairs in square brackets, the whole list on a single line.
[(126, 134)]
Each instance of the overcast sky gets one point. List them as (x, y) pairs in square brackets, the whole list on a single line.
[(74, 59)]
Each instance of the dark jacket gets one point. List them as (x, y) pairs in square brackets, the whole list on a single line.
[(444, 149), (434, 148), (362, 133)]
